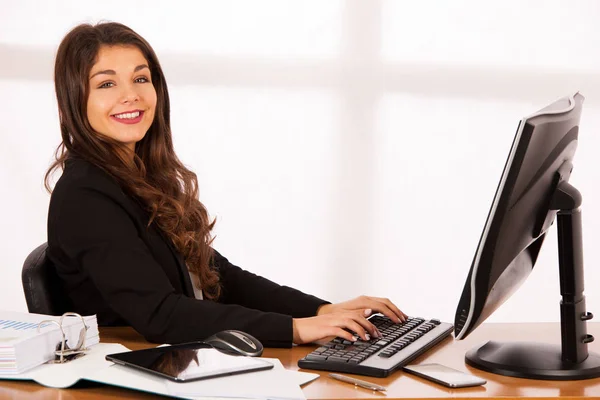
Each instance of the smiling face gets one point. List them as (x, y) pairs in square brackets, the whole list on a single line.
[(122, 99)]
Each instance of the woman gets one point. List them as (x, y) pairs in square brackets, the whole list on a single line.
[(126, 231)]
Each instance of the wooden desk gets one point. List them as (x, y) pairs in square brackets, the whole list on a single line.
[(399, 385)]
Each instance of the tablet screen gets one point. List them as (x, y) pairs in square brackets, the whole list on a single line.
[(187, 362)]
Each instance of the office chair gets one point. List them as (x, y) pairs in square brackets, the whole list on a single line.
[(43, 288)]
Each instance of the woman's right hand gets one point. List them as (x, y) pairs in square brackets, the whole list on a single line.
[(328, 326)]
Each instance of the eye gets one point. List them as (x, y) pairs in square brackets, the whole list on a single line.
[(106, 85), (142, 79)]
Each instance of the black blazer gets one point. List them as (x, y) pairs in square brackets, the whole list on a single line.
[(114, 266)]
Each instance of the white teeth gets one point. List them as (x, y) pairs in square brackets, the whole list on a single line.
[(128, 115)]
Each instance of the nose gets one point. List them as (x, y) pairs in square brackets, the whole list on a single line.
[(129, 94)]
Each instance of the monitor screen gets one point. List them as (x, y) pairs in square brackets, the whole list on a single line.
[(540, 157)]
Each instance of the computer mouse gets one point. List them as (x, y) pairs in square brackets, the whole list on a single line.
[(236, 342)]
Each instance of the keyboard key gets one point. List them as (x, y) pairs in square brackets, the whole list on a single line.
[(316, 357), (337, 359)]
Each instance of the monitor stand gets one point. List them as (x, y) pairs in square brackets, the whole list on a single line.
[(571, 360)]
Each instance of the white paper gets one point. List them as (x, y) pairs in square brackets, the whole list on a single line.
[(127, 377), (276, 383), (302, 378)]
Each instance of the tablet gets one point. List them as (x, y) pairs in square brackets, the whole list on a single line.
[(188, 362)]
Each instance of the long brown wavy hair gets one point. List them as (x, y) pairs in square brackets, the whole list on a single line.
[(157, 179)]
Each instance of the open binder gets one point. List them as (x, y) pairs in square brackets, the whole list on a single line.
[(276, 383), (58, 352), (28, 340)]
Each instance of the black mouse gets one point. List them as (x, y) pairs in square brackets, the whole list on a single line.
[(236, 342)]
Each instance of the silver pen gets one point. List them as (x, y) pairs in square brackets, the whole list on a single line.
[(357, 382)]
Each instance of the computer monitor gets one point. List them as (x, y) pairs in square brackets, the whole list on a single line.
[(533, 191)]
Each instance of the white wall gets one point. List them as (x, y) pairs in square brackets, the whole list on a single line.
[(345, 147)]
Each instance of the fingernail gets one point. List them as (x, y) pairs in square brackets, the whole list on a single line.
[(354, 338), (368, 336), (368, 312)]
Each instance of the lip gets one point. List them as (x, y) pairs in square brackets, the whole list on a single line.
[(128, 121)]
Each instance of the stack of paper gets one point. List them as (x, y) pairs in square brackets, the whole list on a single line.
[(22, 347)]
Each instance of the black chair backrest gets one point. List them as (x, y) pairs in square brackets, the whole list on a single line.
[(43, 288)]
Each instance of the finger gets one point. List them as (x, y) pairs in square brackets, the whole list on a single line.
[(385, 310), (392, 308), (325, 340), (354, 326), (339, 332), (367, 325), (368, 313)]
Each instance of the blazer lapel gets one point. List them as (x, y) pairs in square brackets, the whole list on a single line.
[(185, 275)]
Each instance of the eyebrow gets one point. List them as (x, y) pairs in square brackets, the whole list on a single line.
[(112, 71)]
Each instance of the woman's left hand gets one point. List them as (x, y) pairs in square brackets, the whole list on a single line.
[(369, 304)]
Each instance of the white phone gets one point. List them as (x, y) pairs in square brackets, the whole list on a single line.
[(443, 375)]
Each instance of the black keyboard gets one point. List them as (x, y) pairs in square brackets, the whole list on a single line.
[(400, 344)]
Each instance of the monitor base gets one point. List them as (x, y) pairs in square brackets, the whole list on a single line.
[(531, 361)]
